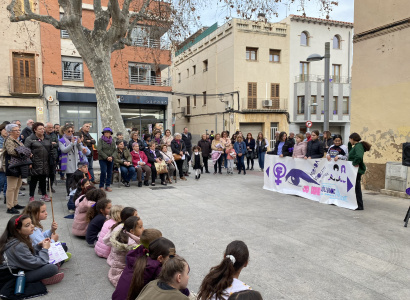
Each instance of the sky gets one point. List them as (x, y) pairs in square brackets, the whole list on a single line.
[(342, 12)]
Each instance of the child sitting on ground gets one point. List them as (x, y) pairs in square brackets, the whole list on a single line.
[(123, 241), (81, 188), (101, 249), (231, 154), (96, 216), (78, 182), (80, 224), (197, 161)]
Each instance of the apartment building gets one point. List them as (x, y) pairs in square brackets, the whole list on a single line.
[(21, 76), (306, 90), (233, 77), (143, 93)]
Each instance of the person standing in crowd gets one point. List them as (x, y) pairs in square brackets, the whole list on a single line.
[(250, 150), (134, 139), (154, 156), (106, 149), (140, 160), (89, 142), (314, 146), (157, 138), (70, 147), (59, 136), (327, 141), (145, 142), (356, 154), (240, 149), (261, 148), (205, 146), (3, 181), (187, 138), (120, 138), (167, 139), (282, 146), (40, 147), (308, 136), (300, 147), (211, 136), (178, 151), (50, 134), (169, 160), (337, 150), (17, 122), (28, 130), (291, 138), (226, 142), (13, 175), (217, 150), (123, 160)]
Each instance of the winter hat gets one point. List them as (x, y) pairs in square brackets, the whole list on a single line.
[(107, 129)]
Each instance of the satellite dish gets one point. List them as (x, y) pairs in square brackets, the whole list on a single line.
[(50, 99)]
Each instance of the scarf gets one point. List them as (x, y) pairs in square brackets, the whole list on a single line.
[(106, 139), (158, 141), (67, 138)]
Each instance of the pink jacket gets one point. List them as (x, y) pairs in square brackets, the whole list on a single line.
[(107, 242), (299, 150), (119, 252), (101, 249), (80, 223)]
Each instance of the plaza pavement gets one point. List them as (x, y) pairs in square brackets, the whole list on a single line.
[(299, 249)]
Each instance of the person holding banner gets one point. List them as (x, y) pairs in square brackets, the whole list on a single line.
[(282, 146), (300, 147), (356, 154), (337, 150), (314, 146)]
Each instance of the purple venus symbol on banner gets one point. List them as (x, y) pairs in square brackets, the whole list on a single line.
[(279, 171), (408, 191)]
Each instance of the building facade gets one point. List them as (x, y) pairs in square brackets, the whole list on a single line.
[(381, 81), (143, 93), (306, 90), (21, 78), (233, 77)]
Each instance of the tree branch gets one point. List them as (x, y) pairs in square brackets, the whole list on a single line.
[(29, 15)]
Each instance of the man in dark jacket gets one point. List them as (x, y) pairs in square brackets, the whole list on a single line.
[(50, 134), (187, 138), (205, 146), (27, 131), (89, 142)]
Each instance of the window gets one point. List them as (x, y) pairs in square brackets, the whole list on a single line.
[(336, 73), (304, 38), (304, 71), (72, 68), (63, 32), (140, 74), (313, 109), (205, 65), (252, 94), (274, 55), (179, 77), (251, 53), (141, 36), (301, 105), (334, 105), (274, 95), (273, 129), (179, 103), (188, 106), (336, 41), (193, 70), (204, 93), (194, 100), (187, 73), (345, 105)]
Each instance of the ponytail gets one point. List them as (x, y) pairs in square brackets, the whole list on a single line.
[(129, 224), (356, 137), (94, 210), (125, 214)]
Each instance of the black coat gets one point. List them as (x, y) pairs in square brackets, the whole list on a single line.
[(26, 133), (205, 146), (175, 148), (285, 149), (326, 144), (151, 157), (187, 140), (41, 151), (251, 144), (314, 149)]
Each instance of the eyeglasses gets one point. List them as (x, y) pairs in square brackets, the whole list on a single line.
[(70, 131), (15, 130)]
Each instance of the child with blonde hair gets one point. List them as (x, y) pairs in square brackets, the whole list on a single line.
[(101, 249), (230, 156)]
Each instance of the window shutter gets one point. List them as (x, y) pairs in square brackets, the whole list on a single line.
[(274, 95), (252, 95)]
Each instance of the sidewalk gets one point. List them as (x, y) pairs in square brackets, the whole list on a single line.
[(299, 249)]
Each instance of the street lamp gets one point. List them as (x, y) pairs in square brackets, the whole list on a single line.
[(317, 57)]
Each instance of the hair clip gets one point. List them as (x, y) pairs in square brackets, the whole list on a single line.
[(232, 258), (17, 221), (93, 205), (145, 252)]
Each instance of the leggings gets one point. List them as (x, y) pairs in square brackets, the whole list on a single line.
[(205, 163), (69, 178), (358, 190), (41, 273), (219, 163), (41, 182), (247, 162), (179, 166)]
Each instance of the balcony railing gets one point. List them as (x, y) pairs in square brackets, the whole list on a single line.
[(157, 81), (24, 85), (73, 75), (150, 43), (265, 104), (64, 34), (321, 78)]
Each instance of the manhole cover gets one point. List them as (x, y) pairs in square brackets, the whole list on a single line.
[(372, 194), (162, 188)]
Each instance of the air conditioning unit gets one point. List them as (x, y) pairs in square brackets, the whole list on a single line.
[(267, 103)]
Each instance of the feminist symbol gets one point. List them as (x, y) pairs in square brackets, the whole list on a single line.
[(279, 170)]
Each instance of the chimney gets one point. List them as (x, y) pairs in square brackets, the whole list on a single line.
[(262, 17)]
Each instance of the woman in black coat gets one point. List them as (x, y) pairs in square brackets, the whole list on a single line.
[(40, 147), (250, 150), (314, 146), (178, 147), (283, 145), (154, 156), (205, 146)]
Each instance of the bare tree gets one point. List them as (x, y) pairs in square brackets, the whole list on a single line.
[(113, 27)]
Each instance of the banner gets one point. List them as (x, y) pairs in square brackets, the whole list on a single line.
[(329, 182)]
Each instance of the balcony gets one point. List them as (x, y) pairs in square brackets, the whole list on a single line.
[(264, 105), (24, 86), (73, 75), (149, 43), (143, 80), (321, 78), (64, 34)]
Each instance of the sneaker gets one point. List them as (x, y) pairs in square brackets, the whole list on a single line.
[(69, 256), (127, 184), (196, 176), (22, 188), (53, 190), (45, 198), (199, 176), (31, 199), (207, 172), (19, 206), (21, 194), (108, 189), (54, 279), (13, 211), (71, 211)]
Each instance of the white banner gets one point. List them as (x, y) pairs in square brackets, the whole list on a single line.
[(315, 179)]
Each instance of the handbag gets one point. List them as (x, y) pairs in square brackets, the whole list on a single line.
[(161, 167), (176, 156)]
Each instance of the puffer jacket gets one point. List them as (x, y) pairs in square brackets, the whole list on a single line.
[(41, 151), (107, 242), (314, 149), (299, 150), (101, 249), (119, 251), (80, 223), (205, 146)]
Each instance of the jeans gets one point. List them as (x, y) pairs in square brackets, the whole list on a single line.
[(106, 173), (3, 183), (358, 190), (41, 182), (261, 159), (90, 167), (127, 173), (240, 162), (41, 273), (219, 163), (230, 165), (225, 160)]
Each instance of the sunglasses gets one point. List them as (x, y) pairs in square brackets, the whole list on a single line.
[(70, 131)]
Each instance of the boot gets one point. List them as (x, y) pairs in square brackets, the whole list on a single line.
[(247, 168)]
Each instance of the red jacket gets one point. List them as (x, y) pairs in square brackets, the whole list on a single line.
[(136, 157)]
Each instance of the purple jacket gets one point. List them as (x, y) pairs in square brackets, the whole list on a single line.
[(152, 270)]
